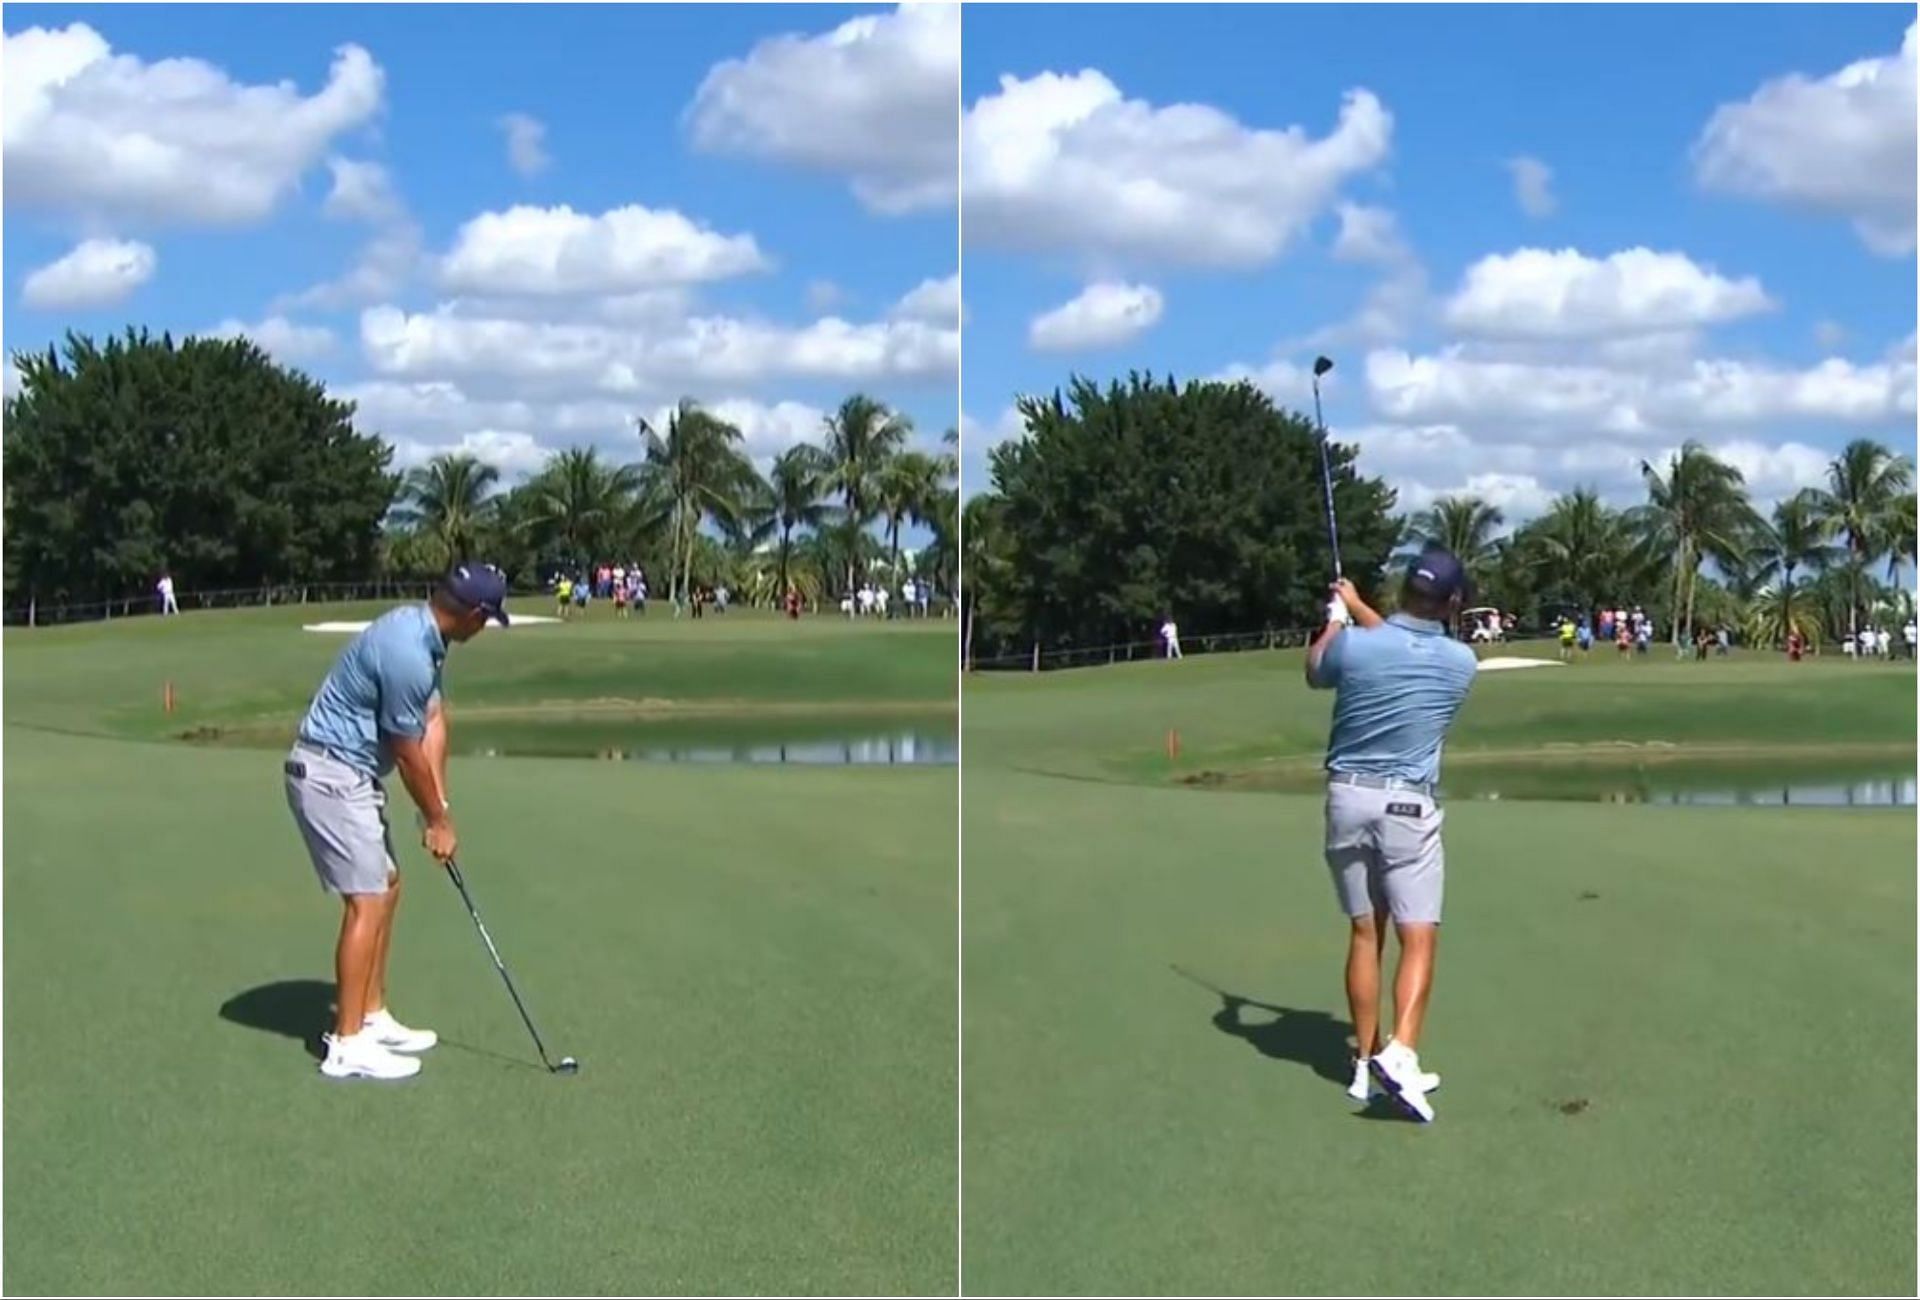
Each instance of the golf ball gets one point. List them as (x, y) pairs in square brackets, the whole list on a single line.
[(568, 1065)]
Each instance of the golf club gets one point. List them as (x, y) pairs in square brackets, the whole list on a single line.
[(567, 1064), (1320, 367)]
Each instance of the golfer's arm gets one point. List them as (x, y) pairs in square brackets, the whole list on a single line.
[(416, 771), (1363, 613), (1316, 650), (435, 743)]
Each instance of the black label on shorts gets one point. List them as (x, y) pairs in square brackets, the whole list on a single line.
[(296, 769), (1404, 810)]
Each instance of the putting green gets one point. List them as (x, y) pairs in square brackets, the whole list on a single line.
[(755, 967), (1678, 1043)]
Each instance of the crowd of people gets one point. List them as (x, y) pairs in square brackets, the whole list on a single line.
[(1879, 643), (874, 600), (624, 584)]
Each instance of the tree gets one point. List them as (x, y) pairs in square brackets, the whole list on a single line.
[(1464, 525), (795, 498), (861, 437), (201, 457), (1865, 483), (905, 488), (1126, 502), (699, 469), (579, 506), (1798, 538), (1579, 551), (1697, 510), (449, 496)]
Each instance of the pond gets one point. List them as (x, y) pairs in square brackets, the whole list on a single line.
[(802, 741), (1780, 783)]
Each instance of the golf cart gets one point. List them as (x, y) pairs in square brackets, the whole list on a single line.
[(1483, 625)]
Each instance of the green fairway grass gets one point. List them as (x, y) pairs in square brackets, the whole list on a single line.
[(755, 966), (1677, 1043)]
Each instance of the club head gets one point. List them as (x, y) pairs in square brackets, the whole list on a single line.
[(567, 1066), (1321, 365)]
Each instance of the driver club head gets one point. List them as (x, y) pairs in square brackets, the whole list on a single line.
[(567, 1066)]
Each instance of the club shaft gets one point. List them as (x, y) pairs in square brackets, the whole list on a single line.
[(453, 873), (1326, 482)]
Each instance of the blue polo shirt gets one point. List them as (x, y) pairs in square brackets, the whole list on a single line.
[(1398, 687), (380, 686)]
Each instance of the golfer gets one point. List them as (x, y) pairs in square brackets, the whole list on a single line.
[(379, 708), (1399, 682)]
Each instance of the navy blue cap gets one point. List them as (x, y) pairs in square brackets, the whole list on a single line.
[(1437, 573), (479, 586)]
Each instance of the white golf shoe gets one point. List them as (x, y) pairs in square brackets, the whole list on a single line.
[(1397, 1067), (1361, 1089), (361, 1057), (396, 1037)]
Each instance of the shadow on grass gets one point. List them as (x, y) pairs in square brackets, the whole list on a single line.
[(303, 1010), (1314, 1039), (298, 1009)]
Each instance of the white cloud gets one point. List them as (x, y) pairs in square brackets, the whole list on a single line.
[(1517, 496), (1368, 234), (1102, 315), (661, 359), (977, 439), (1532, 186), (382, 268), (526, 143), (1556, 399), (935, 301), (283, 339), (516, 455), (873, 100), (96, 273), (1065, 162), (557, 251), (362, 191), (1546, 294), (1840, 145), (1287, 384), (110, 137), (9, 378), (1773, 471)]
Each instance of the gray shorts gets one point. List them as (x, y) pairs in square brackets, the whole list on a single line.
[(342, 814), (1383, 847)]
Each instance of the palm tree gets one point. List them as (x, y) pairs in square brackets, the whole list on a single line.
[(698, 468), (1865, 484), (1900, 538), (451, 497), (1464, 525), (795, 499), (904, 488), (984, 565), (1798, 538), (1579, 548), (1697, 510), (580, 502), (861, 437)]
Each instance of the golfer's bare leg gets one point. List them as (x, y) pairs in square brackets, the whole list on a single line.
[(1413, 982), (353, 960), (1364, 947), (377, 977)]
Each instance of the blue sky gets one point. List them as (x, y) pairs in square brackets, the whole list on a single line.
[(732, 203), (1479, 345)]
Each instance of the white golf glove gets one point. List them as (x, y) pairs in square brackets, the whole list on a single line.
[(1337, 611)]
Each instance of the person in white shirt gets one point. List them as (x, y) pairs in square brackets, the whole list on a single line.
[(880, 601), (1848, 647), (1911, 635), (1170, 633), (168, 605), (865, 598)]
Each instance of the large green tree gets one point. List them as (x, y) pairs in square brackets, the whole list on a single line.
[(451, 499), (1697, 509), (580, 507), (1861, 503), (1124, 503), (1467, 526), (795, 499), (698, 467), (862, 436), (200, 457)]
